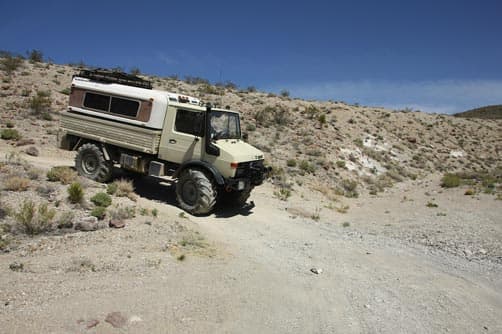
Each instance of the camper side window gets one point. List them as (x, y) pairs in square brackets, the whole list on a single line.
[(190, 122), (118, 106)]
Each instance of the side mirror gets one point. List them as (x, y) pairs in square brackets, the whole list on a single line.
[(245, 136)]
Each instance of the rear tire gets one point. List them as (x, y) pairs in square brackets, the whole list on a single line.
[(91, 163), (196, 192)]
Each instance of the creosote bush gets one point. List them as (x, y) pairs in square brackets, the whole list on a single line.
[(17, 183), (99, 212), (75, 192), (125, 188)]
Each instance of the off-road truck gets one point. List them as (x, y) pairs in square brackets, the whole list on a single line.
[(117, 119)]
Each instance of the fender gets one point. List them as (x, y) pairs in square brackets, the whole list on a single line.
[(203, 165)]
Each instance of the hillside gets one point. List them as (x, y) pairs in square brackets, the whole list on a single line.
[(361, 229), (333, 147), (488, 112)]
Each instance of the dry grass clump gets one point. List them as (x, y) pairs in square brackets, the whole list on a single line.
[(122, 188), (33, 219), (17, 183), (63, 174)]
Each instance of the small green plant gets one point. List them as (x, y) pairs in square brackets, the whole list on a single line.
[(346, 224), (251, 127), (291, 163), (155, 212), (341, 164), (450, 181), (75, 193), (322, 119), (469, 192), (10, 134), (349, 188), (316, 215), (283, 194), (431, 205), (101, 199), (284, 93), (9, 124), (99, 212), (65, 91), (111, 189)]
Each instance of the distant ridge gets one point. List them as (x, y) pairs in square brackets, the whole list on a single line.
[(488, 112)]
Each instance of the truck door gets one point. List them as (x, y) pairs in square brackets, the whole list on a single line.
[(182, 142)]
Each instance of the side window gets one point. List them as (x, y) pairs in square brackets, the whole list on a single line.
[(96, 101), (124, 107), (190, 122)]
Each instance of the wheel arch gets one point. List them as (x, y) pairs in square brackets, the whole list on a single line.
[(218, 178)]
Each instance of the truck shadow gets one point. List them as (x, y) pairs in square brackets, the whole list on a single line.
[(164, 191)]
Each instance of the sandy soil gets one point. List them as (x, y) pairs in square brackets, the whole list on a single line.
[(251, 270)]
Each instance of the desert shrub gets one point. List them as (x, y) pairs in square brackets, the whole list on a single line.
[(250, 127), (322, 119), (10, 64), (75, 192), (283, 193), (41, 102), (251, 89), (35, 56), (291, 163), (101, 199), (135, 71), (358, 142), (284, 93), (307, 166), (122, 212), (63, 174), (10, 124), (10, 134), (65, 91), (33, 220), (125, 188), (340, 164), (17, 183), (349, 188), (450, 181), (99, 212), (111, 189)]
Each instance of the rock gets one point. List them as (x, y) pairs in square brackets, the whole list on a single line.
[(412, 140), (16, 266), (467, 252), (116, 319), (135, 319), (87, 224), (33, 151), (482, 251), (116, 223), (91, 323), (316, 271), (23, 142)]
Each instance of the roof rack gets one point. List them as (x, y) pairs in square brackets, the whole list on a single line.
[(110, 76)]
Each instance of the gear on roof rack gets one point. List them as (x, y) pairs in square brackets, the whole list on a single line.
[(110, 76)]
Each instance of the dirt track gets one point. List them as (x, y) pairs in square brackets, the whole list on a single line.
[(253, 273)]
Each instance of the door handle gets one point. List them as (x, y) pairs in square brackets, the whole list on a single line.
[(172, 141)]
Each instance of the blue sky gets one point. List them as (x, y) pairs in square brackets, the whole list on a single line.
[(436, 56)]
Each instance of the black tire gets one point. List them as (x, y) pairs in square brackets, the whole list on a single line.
[(196, 192), (90, 162)]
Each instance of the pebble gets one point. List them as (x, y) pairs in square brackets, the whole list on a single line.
[(115, 223), (316, 271), (87, 224)]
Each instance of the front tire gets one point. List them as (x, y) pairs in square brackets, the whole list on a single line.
[(91, 163), (195, 192)]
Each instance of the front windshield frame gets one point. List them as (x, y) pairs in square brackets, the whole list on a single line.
[(224, 125)]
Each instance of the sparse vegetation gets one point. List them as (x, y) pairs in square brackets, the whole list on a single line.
[(450, 181), (17, 183), (10, 134), (75, 193), (34, 220), (41, 102), (101, 199), (62, 174), (283, 193), (124, 188), (99, 212)]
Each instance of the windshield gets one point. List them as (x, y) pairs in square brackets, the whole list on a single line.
[(224, 125)]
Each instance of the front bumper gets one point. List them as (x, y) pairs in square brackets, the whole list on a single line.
[(248, 175)]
